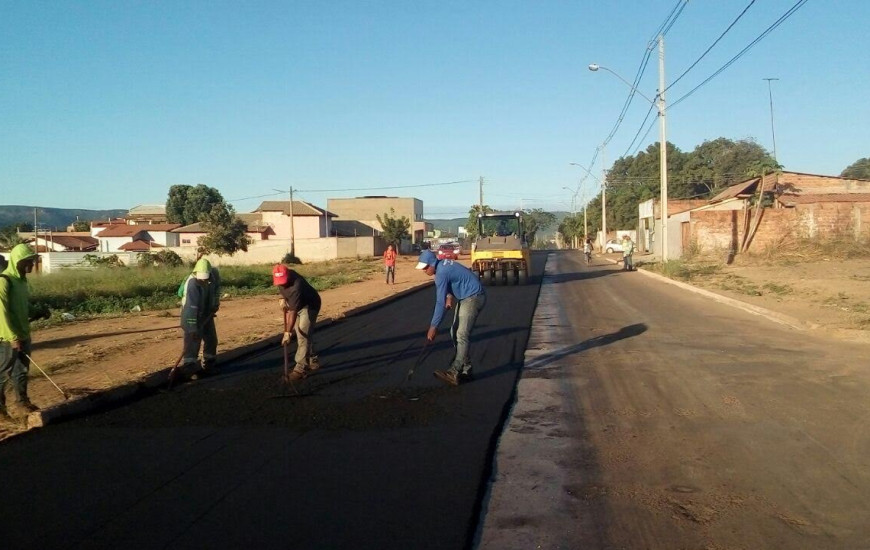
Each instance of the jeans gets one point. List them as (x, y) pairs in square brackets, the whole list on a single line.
[(465, 314), (305, 320), (14, 366), (391, 272)]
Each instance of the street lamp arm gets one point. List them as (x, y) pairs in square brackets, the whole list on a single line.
[(586, 170), (595, 66)]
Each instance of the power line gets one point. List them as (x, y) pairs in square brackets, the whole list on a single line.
[(740, 54), (692, 66), (357, 189)]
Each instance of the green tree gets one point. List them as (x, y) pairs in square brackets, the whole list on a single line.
[(716, 164), (188, 205), (860, 169), (394, 229), (225, 233), (80, 225), (571, 228), (9, 237), (472, 226), (536, 220)]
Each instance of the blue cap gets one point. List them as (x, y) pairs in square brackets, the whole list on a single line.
[(427, 258)]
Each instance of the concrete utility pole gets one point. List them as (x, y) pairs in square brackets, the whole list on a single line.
[(480, 204), (292, 226), (603, 198), (663, 153)]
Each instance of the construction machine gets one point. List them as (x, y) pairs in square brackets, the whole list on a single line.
[(500, 254)]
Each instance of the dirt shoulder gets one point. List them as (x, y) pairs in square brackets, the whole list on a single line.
[(826, 295)]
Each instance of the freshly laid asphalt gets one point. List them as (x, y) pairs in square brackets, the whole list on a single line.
[(362, 457)]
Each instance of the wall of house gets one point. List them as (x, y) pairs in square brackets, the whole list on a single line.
[(834, 219), (790, 182), (305, 227), (307, 250)]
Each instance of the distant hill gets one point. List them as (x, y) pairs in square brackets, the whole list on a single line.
[(56, 219)]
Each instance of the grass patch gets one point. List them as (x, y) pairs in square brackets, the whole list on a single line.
[(683, 270), (113, 291), (777, 288)]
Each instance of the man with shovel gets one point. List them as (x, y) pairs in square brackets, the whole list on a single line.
[(456, 287), (300, 304), (15, 340)]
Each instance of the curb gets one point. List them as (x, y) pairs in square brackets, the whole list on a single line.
[(774, 316), (151, 382)]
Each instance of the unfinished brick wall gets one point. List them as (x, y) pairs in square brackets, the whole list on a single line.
[(714, 231), (834, 219), (791, 182)]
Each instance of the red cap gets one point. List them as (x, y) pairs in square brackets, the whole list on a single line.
[(280, 275)]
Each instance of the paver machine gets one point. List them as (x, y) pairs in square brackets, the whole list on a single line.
[(500, 254)]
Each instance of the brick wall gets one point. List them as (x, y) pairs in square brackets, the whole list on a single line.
[(803, 184), (714, 231)]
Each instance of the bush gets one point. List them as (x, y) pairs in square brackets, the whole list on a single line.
[(166, 258)]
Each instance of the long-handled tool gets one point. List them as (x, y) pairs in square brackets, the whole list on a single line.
[(286, 378), (174, 371), (32, 362), (419, 360)]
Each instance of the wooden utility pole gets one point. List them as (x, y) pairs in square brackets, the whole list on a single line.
[(292, 228)]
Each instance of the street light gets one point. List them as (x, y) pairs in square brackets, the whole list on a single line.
[(663, 153), (603, 205), (574, 211)]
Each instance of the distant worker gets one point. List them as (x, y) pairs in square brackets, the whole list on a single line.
[(15, 342), (627, 251), (459, 288), (200, 301), (390, 264), (587, 250), (300, 303)]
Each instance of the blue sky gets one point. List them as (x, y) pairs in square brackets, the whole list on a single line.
[(108, 104)]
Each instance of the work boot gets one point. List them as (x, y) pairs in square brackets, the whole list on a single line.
[(5, 419), (313, 363), (449, 376), (296, 374)]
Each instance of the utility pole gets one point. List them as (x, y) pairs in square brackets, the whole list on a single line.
[(663, 153), (292, 227), (480, 204), (772, 131), (603, 198)]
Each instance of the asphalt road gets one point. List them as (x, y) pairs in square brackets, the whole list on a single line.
[(361, 458), (651, 417)]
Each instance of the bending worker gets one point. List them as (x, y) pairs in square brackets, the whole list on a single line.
[(200, 302), (456, 287), (301, 304)]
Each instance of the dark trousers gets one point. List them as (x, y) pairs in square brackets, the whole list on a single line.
[(207, 338)]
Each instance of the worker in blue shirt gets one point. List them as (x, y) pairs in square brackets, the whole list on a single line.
[(457, 288)]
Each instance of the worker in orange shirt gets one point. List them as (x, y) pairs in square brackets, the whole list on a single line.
[(390, 264)]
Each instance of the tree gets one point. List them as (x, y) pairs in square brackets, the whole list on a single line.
[(9, 237), (536, 220), (188, 205), (80, 225), (394, 230), (225, 233), (571, 228), (860, 169), (716, 164), (472, 227)]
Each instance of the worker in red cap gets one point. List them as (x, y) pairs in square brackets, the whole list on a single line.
[(301, 304)]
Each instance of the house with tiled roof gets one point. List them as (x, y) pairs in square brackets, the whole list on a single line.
[(65, 242), (138, 238), (308, 221), (255, 229)]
